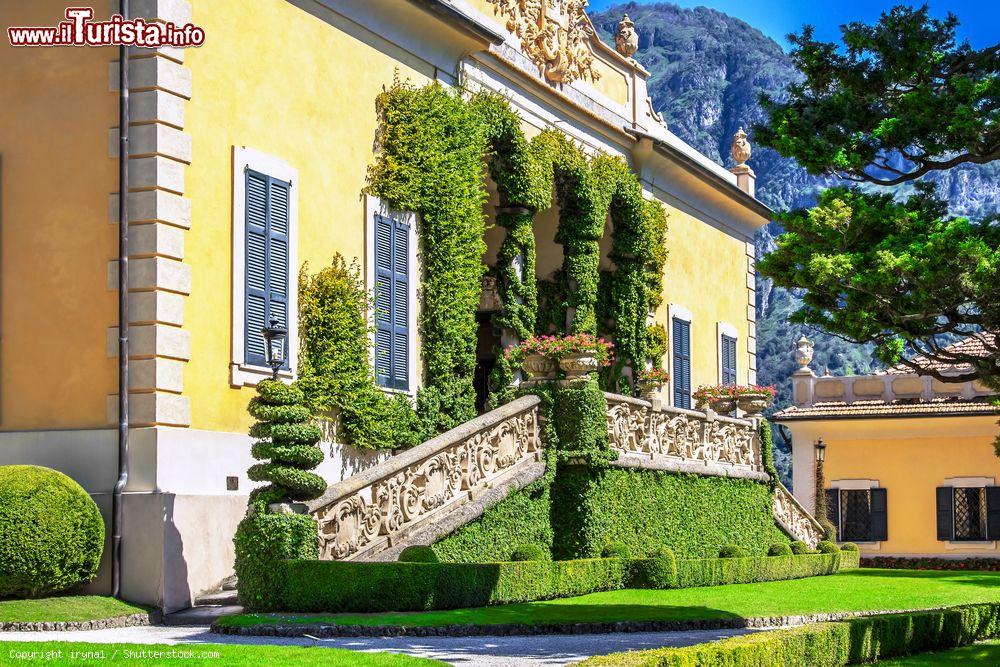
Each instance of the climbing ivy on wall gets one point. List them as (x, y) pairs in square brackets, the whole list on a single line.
[(430, 148)]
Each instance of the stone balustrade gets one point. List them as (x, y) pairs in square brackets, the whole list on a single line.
[(809, 389), (794, 519), (379, 507), (674, 439)]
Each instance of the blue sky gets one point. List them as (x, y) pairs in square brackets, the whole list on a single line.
[(980, 20)]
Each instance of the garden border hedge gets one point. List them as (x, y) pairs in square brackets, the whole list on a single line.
[(334, 587), (850, 642)]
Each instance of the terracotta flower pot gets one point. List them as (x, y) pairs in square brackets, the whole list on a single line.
[(539, 367), (754, 404)]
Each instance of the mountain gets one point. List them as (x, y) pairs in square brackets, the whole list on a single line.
[(707, 71)]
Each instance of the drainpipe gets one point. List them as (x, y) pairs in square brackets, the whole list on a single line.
[(116, 501)]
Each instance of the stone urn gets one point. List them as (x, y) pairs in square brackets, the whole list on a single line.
[(722, 405), (649, 390), (754, 404), (539, 368), (579, 365)]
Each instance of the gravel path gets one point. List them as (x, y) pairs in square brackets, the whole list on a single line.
[(543, 650)]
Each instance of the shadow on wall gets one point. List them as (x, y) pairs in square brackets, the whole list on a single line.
[(343, 460), (177, 593)]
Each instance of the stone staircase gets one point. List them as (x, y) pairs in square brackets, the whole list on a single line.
[(208, 607)]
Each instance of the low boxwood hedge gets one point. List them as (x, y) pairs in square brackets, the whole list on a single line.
[(851, 642), (330, 586)]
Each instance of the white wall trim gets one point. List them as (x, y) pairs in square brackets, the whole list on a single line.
[(726, 329), (241, 373), (974, 482), (854, 484), (373, 206), (681, 313)]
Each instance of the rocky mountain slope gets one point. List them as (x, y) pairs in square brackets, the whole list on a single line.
[(707, 72)]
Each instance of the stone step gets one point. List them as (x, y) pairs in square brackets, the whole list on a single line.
[(201, 615), (216, 598)]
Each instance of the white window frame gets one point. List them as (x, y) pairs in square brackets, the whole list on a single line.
[(241, 373), (681, 313), (975, 483), (727, 329), (375, 206)]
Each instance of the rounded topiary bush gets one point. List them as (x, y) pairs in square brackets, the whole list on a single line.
[(658, 569), (799, 547), (827, 547), (733, 551), (51, 532), (615, 550), (528, 552), (779, 549), (849, 546), (418, 554)]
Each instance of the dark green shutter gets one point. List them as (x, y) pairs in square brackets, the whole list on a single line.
[(879, 515), (993, 512), (728, 360), (833, 508), (682, 363), (945, 513)]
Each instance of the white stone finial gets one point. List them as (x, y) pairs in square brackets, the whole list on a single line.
[(740, 149), (626, 39), (804, 352)]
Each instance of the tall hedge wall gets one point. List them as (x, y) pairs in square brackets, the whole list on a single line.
[(644, 509)]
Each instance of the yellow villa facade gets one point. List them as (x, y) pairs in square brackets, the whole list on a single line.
[(910, 468), (285, 90)]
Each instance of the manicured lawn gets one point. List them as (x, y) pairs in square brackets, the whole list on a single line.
[(217, 655), (854, 590), (65, 608), (986, 653)]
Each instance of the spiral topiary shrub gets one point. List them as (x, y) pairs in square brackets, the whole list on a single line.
[(849, 546), (779, 549), (799, 547), (51, 532), (418, 554), (733, 551), (827, 547), (526, 552), (287, 441)]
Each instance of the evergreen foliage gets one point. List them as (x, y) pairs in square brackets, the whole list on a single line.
[(334, 360)]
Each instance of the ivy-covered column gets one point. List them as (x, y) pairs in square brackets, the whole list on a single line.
[(516, 269)]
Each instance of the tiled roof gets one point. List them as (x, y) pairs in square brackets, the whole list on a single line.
[(968, 346), (938, 407)]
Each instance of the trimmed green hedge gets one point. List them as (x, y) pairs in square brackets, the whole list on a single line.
[(328, 586), (51, 532), (693, 515), (331, 586), (851, 642), (721, 571)]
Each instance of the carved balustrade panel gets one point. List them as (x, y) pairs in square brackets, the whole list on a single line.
[(409, 488), (794, 518), (636, 427)]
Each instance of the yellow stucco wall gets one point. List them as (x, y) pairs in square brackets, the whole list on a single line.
[(706, 274), (304, 93), (910, 458), (55, 240)]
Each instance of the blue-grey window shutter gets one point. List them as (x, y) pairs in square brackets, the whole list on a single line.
[(383, 301), (945, 499), (682, 363), (879, 515), (267, 205), (728, 360), (400, 306)]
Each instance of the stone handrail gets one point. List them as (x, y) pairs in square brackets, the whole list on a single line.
[(381, 505), (667, 438), (794, 519)]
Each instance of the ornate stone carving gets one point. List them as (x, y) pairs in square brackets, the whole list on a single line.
[(407, 490), (626, 39), (794, 519), (627, 427), (555, 34), (740, 149)]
